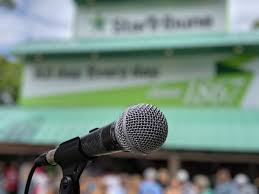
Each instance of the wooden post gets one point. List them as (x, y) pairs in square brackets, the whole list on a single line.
[(174, 163), (252, 171)]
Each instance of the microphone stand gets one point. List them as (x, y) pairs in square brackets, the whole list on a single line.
[(72, 160)]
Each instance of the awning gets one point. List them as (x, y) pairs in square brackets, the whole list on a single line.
[(118, 44), (219, 129)]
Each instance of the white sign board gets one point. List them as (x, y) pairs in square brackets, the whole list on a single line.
[(151, 20)]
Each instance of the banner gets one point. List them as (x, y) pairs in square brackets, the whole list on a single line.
[(210, 80), (165, 17)]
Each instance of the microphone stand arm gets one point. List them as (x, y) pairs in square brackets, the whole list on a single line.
[(73, 161)]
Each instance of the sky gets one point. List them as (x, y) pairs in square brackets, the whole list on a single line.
[(35, 20), (53, 19), (243, 14)]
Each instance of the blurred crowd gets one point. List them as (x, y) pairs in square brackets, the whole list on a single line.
[(152, 181)]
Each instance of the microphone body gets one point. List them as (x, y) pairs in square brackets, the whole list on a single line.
[(101, 141), (140, 129)]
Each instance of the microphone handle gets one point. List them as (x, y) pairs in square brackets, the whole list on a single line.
[(100, 141)]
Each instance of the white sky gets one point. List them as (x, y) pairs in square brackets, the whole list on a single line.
[(48, 19), (243, 14), (36, 19)]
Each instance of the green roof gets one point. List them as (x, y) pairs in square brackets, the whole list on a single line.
[(214, 129), (187, 41)]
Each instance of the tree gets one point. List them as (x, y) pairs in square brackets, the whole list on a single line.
[(10, 81)]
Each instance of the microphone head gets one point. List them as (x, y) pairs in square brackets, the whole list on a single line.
[(142, 128)]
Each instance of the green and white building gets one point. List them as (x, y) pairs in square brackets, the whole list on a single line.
[(178, 55)]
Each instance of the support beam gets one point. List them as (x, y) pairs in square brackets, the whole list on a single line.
[(23, 149), (174, 163)]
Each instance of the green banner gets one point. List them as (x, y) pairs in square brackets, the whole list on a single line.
[(211, 80)]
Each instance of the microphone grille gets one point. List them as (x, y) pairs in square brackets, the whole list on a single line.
[(141, 128)]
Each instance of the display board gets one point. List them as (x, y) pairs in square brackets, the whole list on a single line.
[(145, 18), (184, 80)]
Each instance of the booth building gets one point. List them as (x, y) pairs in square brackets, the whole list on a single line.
[(178, 55)]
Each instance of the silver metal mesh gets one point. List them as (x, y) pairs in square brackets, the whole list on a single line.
[(141, 128)]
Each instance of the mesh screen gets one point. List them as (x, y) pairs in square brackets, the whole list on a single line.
[(141, 128)]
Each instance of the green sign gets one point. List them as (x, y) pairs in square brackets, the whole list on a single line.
[(212, 80)]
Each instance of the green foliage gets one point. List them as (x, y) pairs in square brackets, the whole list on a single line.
[(7, 3), (256, 24), (237, 60), (10, 79)]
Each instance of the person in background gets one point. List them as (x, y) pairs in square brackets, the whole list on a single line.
[(40, 182), (113, 184), (23, 174), (174, 187), (183, 178), (224, 184), (256, 183), (132, 184), (2, 189), (149, 184), (88, 184), (163, 177), (11, 178), (244, 185), (84, 181), (100, 187), (202, 184), (55, 180)]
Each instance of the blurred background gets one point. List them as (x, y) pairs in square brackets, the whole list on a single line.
[(68, 66)]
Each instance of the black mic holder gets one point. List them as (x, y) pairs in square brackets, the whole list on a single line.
[(72, 160)]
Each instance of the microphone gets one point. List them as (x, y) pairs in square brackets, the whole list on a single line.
[(141, 128)]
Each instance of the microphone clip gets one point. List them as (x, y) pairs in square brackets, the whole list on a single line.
[(73, 161)]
